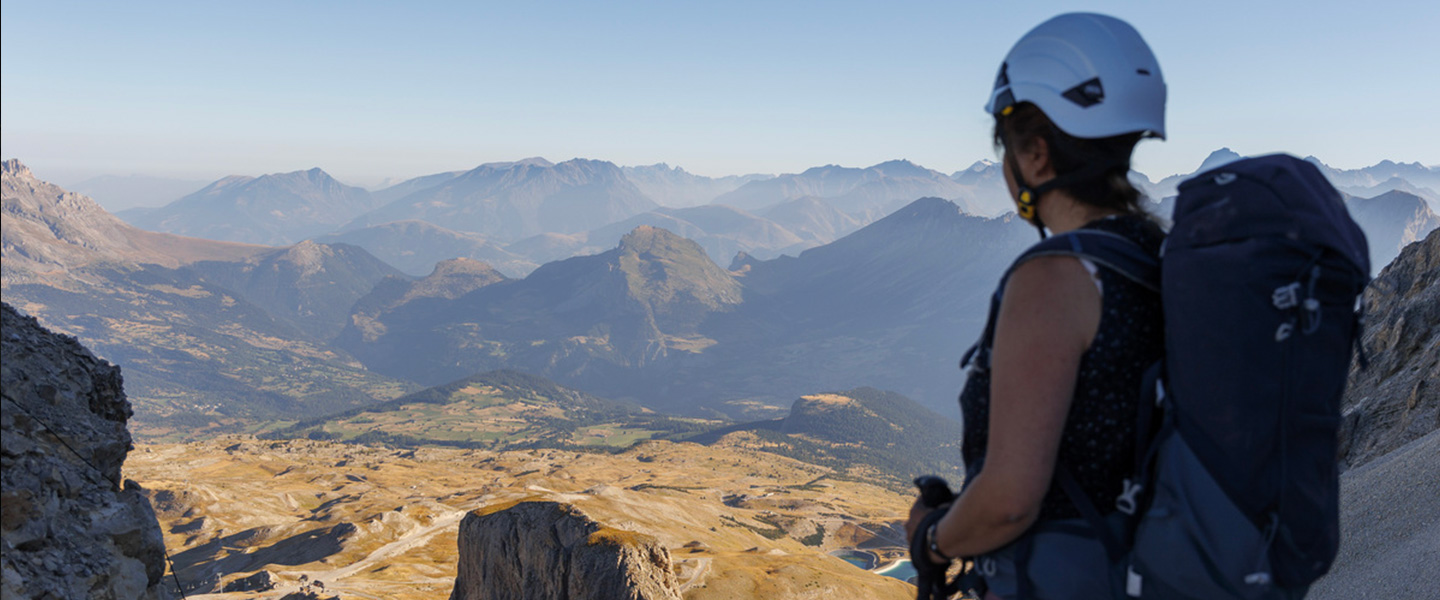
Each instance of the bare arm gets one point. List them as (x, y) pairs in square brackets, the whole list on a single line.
[(1048, 318)]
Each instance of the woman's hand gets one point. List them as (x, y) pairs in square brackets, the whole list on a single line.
[(918, 510)]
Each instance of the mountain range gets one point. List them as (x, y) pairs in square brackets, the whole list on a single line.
[(519, 215), (641, 315), (872, 191), (511, 201), (655, 319), (197, 353)]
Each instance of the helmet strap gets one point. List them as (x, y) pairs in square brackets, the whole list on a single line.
[(1028, 198)]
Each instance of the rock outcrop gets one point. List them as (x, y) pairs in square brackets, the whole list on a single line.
[(1397, 399), (70, 528), (539, 550)]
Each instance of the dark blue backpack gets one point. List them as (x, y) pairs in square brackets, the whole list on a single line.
[(1237, 484)]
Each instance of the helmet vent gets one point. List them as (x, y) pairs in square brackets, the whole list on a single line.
[(1143, 71), (1086, 94)]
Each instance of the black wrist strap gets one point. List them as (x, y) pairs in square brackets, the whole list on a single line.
[(935, 546)]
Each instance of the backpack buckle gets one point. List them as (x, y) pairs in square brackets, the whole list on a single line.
[(1286, 297), (1126, 501)]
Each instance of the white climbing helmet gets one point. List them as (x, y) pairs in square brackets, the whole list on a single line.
[(1091, 74)]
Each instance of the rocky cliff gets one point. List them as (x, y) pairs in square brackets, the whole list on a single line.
[(49, 232), (539, 550), (70, 528), (1397, 399)]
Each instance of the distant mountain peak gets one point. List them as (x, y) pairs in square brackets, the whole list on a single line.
[(647, 238), (16, 168), (821, 170), (534, 161), (901, 168), (660, 166), (463, 265), (929, 207), (1218, 158), (311, 174)]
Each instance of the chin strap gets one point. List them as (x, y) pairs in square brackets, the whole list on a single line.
[(1028, 198)]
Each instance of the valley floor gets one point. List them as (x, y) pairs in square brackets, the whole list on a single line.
[(373, 522)]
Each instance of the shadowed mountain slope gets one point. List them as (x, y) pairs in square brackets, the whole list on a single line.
[(627, 307), (276, 209), (450, 280), (1392, 221), (311, 286), (893, 305), (415, 246)]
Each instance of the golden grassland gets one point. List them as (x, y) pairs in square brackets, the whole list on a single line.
[(373, 522)]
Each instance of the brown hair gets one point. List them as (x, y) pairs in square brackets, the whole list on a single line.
[(1027, 123)]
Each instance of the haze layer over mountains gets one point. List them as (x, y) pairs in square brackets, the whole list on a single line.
[(617, 280), (519, 215)]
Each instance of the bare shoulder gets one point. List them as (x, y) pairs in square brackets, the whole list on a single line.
[(1051, 277), (1050, 296)]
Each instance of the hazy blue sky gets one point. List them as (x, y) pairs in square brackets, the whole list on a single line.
[(371, 90)]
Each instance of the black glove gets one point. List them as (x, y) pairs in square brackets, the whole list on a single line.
[(929, 575)]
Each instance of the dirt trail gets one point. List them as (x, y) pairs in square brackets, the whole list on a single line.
[(411, 540), (702, 568)]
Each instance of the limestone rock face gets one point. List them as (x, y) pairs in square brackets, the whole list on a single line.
[(1397, 399), (537, 550), (70, 529)]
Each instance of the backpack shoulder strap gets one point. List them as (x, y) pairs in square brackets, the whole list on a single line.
[(1112, 251)]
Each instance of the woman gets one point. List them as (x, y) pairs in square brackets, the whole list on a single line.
[(1060, 385)]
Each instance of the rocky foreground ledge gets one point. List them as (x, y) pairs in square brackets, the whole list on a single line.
[(70, 528), (539, 550)]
